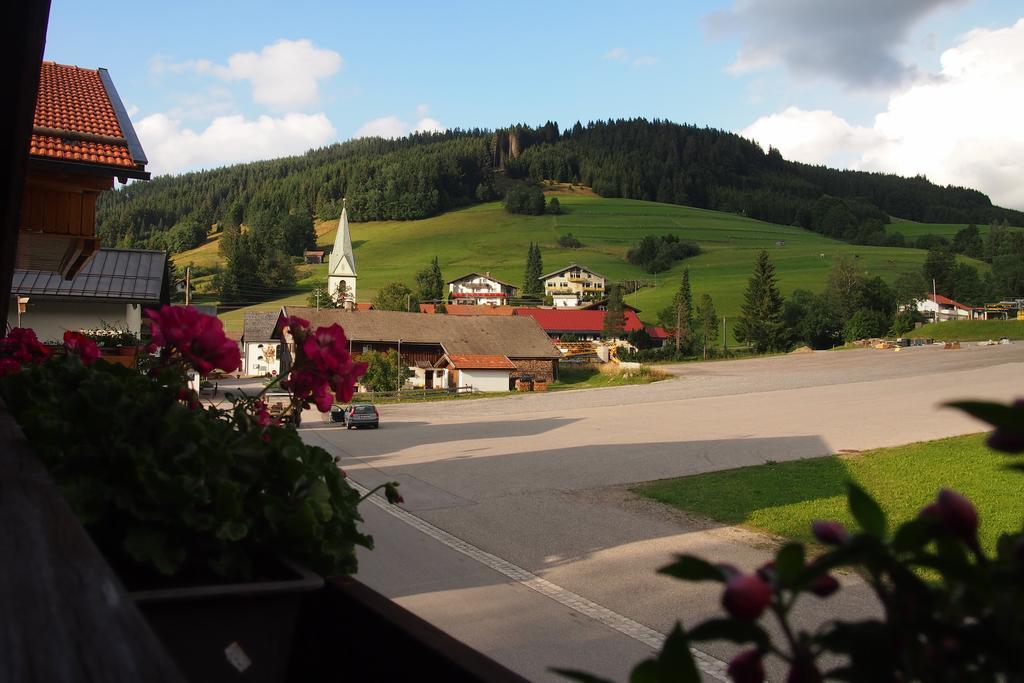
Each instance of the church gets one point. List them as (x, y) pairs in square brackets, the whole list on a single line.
[(341, 272)]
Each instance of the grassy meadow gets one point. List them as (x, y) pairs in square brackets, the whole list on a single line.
[(970, 330), (912, 230), (485, 238), (784, 498)]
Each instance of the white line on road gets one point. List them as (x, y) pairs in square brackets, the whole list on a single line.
[(710, 665)]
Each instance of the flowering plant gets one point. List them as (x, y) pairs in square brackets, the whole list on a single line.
[(111, 336), (168, 487), (950, 612)]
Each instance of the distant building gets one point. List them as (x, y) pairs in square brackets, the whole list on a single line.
[(260, 350), (342, 267), (313, 257), (468, 309), (480, 289), (587, 325), (113, 289), (568, 287), (940, 308)]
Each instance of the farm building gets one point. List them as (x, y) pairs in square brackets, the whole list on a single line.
[(422, 341), (585, 324), (260, 350), (572, 285), (478, 372), (480, 289), (943, 308), (467, 309)]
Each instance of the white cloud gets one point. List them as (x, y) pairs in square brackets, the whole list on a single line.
[(173, 148), (623, 56), (857, 43), (959, 128), (395, 127), (284, 75)]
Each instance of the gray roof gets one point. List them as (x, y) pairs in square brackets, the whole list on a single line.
[(259, 325), (134, 275), (512, 336), (484, 275), (568, 267)]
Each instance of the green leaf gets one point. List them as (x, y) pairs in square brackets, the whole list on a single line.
[(691, 568), (232, 530), (865, 510), (789, 563), (912, 535), (645, 672), (730, 629), (581, 676), (996, 414), (149, 546), (675, 661)]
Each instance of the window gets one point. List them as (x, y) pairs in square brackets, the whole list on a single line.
[(367, 348)]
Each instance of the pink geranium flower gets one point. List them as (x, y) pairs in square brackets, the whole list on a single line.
[(198, 337), (83, 347), (22, 346), (323, 369)]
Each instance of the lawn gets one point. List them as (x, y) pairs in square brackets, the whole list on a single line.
[(784, 498), (970, 330), (486, 238), (591, 377)]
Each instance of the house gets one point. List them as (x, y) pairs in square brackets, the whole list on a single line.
[(112, 290), (939, 308), (480, 289), (587, 325), (313, 257), (260, 349), (570, 286), (422, 341), (659, 335), (342, 265), (478, 372), (467, 309), (82, 139)]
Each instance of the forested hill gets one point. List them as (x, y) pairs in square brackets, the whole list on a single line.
[(425, 174)]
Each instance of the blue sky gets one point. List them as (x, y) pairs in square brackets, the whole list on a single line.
[(837, 83)]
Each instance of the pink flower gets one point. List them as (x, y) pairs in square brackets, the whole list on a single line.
[(955, 515), (198, 337), (746, 596), (22, 346), (9, 366), (746, 667), (829, 533), (824, 586), (261, 413), (323, 368), (80, 345)]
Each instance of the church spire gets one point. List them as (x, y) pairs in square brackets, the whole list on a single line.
[(343, 259)]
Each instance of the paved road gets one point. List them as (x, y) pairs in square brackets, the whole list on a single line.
[(537, 481)]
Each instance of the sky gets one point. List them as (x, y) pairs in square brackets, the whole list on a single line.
[(931, 87)]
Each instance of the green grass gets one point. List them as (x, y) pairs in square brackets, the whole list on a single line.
[(970, 330), (590, 377), (912, 230), (784, 498), (485, 238)]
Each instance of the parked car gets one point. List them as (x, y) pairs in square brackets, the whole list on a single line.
[(362, 415), (338, 414)]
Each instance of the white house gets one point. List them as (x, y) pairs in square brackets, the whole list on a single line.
[(342, 265), (260, 351), (480, 289), (570, 286), (111, 290), (479, 373), (940, 308)]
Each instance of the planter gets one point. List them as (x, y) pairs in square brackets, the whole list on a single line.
[(127, 350), (220, 632)]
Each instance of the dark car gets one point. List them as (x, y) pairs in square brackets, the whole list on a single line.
[(362, 415)]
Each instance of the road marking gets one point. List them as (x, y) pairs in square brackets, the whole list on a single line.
[(712, 666)]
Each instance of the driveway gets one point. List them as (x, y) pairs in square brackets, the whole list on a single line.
[(538, 482)]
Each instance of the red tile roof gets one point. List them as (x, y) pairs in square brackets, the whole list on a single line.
[(467, 362), (946, 301), (555, 320), (75, 119), (469, 309), (655, 332)]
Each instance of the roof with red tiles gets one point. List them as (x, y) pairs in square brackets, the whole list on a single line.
[(555, 320), (468, 362), (469, 309), (656, 332), (79, 118), (946, 301)]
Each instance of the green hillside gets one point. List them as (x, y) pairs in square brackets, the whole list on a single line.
[(485, 238), (912, 230), (970, 330)]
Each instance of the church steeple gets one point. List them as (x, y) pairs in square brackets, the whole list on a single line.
[(342, 265)]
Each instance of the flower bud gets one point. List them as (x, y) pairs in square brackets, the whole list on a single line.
[(824, 586), (746, 667), (1005, 441), (829, 533), (958, 516), (746, 596)]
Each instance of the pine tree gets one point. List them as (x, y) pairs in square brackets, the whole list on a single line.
[(760, 323), (707, 316), (615, 315), (532, 286), (684, 312), (430, 283)]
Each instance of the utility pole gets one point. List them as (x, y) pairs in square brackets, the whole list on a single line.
[(935, 300), (317, 290), (188, 284), (725, 335), (679, 323)]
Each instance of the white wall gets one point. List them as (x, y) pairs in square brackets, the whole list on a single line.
[(256, 363), (350, 286), (484, 380), (50, 319)]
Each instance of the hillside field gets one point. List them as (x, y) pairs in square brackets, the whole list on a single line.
[(970, 330), (486, 238), (912, 230)]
